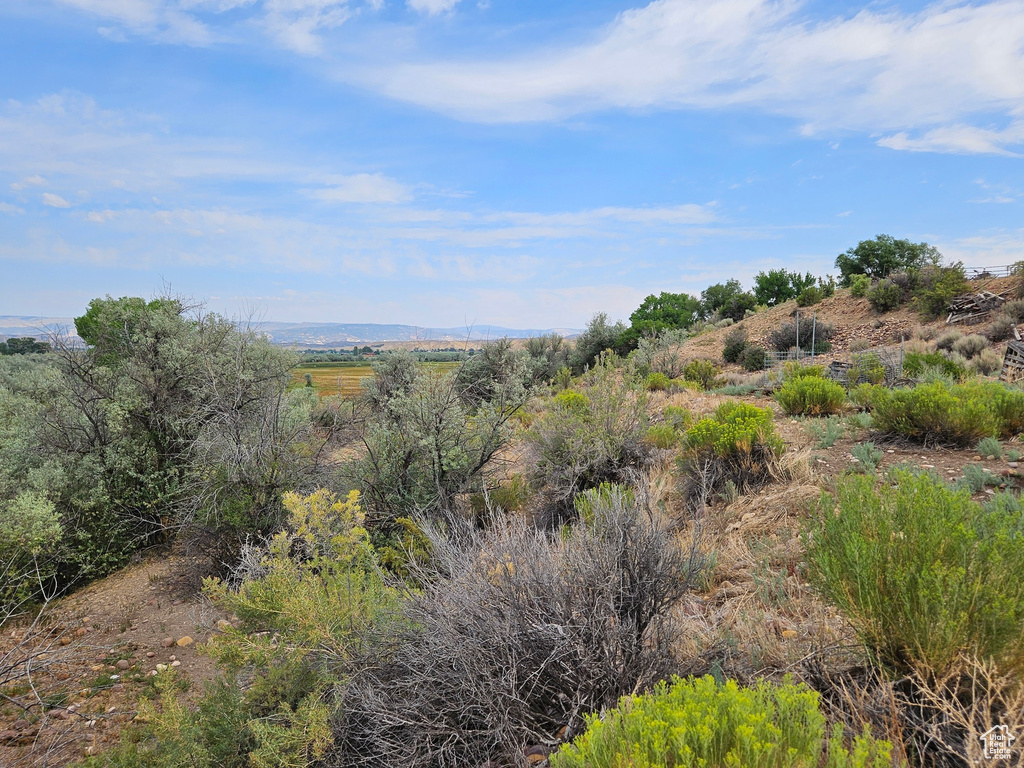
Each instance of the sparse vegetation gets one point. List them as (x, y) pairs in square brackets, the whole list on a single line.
[(867, 456)]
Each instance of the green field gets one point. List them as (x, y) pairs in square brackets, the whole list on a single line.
[(340, 378)]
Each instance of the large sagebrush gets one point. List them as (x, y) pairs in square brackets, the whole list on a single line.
[(516, 635)]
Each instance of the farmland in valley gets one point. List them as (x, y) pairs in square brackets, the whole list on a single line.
[(340, 378)]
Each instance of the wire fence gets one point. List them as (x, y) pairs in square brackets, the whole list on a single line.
[(978, 273)]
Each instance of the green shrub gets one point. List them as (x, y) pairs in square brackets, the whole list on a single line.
[(859, 285), (795, 370), (735, 343), (702, 372), (737, 445), (885, 296), (867, 457), (304, 601), (810, 396), (30, 535), (809, 296), (657, 382), (866, 367), (662, 436), (922, 572), (678, 417), (917, 364), (753, 358), (939, 413), (697, 721), (937, 287), (991, 448)]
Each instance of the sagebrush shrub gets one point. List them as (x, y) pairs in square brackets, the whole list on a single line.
[(946, 340), (1001, 328), (517, 633), (698, 721), (987, 363), (991, 448), (583, 440), (937, 287), (867, 457), (970, 346), (811, 396), (1014, 310), (922, 572)]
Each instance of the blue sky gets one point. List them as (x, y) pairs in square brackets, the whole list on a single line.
[(438, 162)]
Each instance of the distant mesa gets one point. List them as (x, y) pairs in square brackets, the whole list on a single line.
[(325, 335)]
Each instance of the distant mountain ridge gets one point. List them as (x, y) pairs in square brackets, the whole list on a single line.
[(324, 335)]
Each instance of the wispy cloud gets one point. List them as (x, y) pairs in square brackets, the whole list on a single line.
[(55, 201), (922, 79)]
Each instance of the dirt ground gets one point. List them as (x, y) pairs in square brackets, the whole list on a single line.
[(99, 649)]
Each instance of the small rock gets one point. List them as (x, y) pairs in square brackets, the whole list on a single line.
[(925, 466), (176, 602), (81, 631), (150, 654), (167, 642), (61, 714), (1012, 464), (183, 641), (123, 664), (90, 723), (175, 663), (891, 450), (173, 658), (65, 641), (111, 710), (99, 667), (21, 725), (115, 677), (789, 634), (117, 687), (152, 673)]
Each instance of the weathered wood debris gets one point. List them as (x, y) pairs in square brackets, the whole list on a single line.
[(1013, 363), (972, 308)]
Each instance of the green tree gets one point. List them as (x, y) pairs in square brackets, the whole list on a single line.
[(666, 310), (598, 336), (23, 345), (778, 285), (716, 296), (877, 258)]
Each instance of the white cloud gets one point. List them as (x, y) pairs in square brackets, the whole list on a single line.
[(432, 7), (935, 72), (8, 208), (361, 188), (293, 24), (55, 201), (29, 181)]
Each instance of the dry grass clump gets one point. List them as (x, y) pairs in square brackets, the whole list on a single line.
[(970, 346), (946, 340)]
